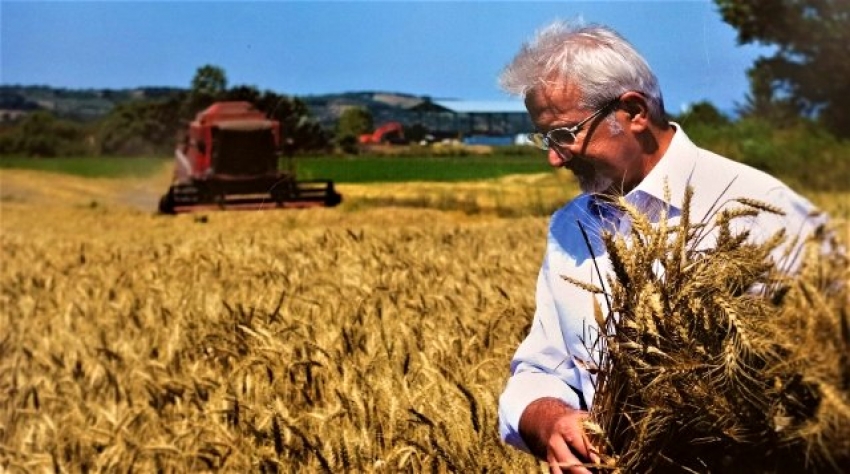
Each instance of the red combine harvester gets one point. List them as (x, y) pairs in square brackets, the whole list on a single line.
[(230, 160)]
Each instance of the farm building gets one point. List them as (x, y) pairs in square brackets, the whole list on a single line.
[(478, 122)]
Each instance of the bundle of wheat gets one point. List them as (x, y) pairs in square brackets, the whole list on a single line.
[(716, 360)]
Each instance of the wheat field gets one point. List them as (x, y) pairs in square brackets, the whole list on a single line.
[(374, 337), (366, 340)]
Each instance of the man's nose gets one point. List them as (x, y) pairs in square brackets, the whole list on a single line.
[(558, 158)]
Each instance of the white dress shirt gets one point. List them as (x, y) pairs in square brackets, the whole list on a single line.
[(555, 359)]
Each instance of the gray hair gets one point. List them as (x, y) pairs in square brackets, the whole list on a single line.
[(600, 62)]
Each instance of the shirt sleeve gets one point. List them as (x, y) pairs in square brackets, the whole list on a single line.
[(541, 366)]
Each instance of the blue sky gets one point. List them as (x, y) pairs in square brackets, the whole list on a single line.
[(440, 49)]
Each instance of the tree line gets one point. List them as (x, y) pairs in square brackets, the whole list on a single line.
[(150, 127)]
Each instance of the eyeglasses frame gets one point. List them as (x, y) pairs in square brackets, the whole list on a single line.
[(543, 140)]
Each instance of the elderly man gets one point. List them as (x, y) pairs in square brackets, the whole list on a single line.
[(599, 112)]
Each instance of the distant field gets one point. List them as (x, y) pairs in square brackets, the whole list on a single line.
[(470, 183), (355, 169), (511, 195)]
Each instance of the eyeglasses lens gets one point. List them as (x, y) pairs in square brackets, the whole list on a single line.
[(562, 137), (538, 140)]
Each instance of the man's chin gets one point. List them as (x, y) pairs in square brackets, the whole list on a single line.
[(596, 186)]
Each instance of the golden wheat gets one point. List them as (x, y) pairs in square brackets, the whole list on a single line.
[(356, 339), (724, 361), (270, 342)]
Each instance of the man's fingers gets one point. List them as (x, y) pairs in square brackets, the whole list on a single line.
[(588, 450), (572, 468), (593, 454), (562, 459)]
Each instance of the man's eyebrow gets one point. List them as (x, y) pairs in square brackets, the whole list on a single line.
[(567, 124)]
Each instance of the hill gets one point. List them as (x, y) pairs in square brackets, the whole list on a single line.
[(384, 106), (76, 104), (92, 104)]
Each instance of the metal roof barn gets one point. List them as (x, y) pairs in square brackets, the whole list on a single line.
[(467, 118)]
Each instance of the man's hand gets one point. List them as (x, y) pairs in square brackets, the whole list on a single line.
[(554, 432)]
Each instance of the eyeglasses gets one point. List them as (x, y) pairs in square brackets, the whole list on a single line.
[(566, 136)]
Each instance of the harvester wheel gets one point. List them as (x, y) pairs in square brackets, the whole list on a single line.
[(283, 192), (166, 203), (332, 199)]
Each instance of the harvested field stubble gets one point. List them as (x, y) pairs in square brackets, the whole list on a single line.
[(263, 342)]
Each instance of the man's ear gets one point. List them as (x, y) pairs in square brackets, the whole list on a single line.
[(637, 109)]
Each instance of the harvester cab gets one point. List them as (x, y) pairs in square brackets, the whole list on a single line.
[(229, 159)]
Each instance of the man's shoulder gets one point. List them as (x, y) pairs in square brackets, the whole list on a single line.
[(575, 207), (739, 180), (708, 169), (753, 180), (736, 179), (566, 218)]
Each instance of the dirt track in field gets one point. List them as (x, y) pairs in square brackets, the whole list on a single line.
[(55, 189)]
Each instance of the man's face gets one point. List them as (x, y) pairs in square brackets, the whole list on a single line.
[(604, 160)]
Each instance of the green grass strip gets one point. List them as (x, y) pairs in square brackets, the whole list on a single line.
[(341, 169), (389, 169), (91, 167)]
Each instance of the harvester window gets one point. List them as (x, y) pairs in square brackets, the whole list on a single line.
[(244, 152)]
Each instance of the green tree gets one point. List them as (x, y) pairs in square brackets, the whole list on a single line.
[(703, 113), (299, 131), (243, 93), (208, 85), (809, 73), (141, 127), (353, 122), (209, 80), (764, 103), (41, 134)]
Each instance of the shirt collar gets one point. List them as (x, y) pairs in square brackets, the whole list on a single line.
[(675, 171), (666, 183)]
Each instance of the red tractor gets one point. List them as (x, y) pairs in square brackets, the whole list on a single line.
[(229, 159)]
